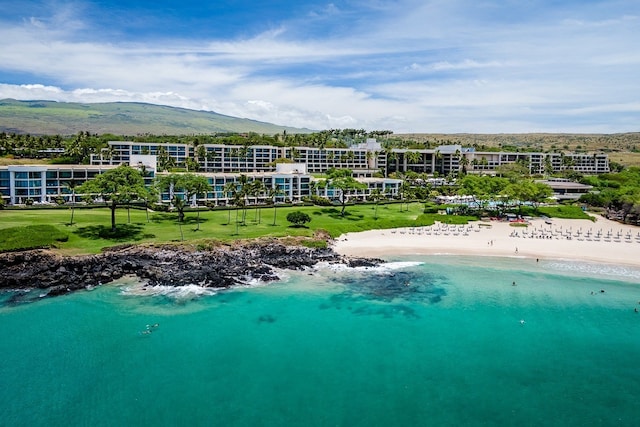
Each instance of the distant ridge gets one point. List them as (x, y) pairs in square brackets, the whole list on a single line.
[(122, 118)]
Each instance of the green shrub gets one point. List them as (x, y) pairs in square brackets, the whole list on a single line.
[(431, 208), (298, 218), (160, 207), (320, 201)]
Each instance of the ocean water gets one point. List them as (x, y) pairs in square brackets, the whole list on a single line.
[(438, 341)]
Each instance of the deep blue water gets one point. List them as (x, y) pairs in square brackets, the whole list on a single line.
[(423, 341)]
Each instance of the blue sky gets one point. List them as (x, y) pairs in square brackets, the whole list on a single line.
[(477, 66)]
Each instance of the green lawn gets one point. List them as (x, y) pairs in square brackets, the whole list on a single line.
[(31, 237), (91, 230)]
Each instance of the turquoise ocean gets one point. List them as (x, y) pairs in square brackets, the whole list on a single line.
[(437, 341)]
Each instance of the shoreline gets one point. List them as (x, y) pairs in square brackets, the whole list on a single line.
[(216, 267), (603, 241)]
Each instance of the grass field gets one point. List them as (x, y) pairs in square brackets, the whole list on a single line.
[(31, 237), (91, 230)]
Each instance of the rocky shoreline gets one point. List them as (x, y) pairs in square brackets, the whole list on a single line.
[(215, 267)]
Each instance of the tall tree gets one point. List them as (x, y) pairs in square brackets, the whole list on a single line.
[(256, 189), (189, 184), (195, 185), (229, 190), (376, 195), (243, 182), (343, 180), (71, 185), (274, 192), (117, 187)]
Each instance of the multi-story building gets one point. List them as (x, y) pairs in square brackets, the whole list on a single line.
[(538, 163), (365, 160), (223, 164), (44, 183), (289, 183)]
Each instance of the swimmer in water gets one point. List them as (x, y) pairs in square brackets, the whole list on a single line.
[(522, 322)]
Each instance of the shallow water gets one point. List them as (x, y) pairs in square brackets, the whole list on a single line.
[(421, 341)]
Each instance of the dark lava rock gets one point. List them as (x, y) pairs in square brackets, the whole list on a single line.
[(220, 267)]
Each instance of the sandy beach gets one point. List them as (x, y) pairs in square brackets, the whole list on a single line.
[(602, 241)]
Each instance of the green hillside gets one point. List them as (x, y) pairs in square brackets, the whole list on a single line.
[(121, 118)]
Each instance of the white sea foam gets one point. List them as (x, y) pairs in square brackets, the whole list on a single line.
[(400, 265), (250, 282), (591, 269), (186, 292), (382, 268)]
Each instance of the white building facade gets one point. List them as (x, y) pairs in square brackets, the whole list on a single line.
[(365, 160)]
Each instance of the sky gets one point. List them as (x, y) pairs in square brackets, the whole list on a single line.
[(430, 66)]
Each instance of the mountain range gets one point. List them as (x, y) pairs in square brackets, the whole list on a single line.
[(122, 118)]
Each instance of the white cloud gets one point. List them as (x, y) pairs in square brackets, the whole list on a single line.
[(420, 66)]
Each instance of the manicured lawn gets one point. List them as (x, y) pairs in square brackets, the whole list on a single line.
[(569, 212), (31, 237), (91, 230)]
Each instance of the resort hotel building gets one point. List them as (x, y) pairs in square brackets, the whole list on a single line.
[(224, 164), (49, 184), (364, 159)]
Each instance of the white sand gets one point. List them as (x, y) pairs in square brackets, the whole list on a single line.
[(493, 238)]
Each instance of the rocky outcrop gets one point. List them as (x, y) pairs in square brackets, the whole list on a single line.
[(218, 267)]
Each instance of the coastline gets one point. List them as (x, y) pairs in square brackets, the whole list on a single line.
[(567, 239), (165, 265)]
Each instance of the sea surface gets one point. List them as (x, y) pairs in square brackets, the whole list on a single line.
[(419, 341)]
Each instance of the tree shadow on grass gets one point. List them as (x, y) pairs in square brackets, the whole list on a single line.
[(335, 214), (164, 216), (123, 233), (330, 211), (173, 217)]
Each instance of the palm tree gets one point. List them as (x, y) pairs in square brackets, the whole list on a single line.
[(256, 187), (413, 157), (437, 157), (243, 181), (198, 185), (179, 204), (230, 188), (375, 195), (143, 171), (238, 201), (405, 191), (165, 161), (393, 158), (272, 194), (200, 155), (464, 161), (71, 185)]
